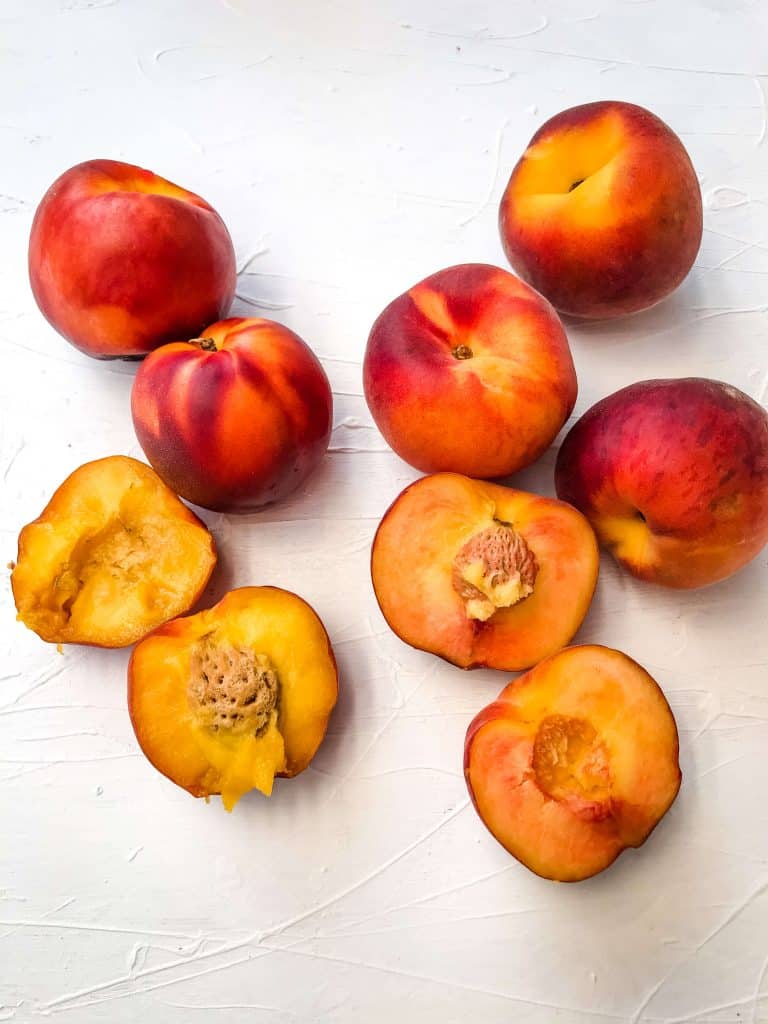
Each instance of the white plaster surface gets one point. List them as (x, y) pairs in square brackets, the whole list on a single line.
[(353, 148)]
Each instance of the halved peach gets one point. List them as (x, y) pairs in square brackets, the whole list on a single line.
[(574, 762), (113, 554), (225, 700), (483, 575)]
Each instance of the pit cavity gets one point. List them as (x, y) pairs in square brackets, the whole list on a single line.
[(494, 569), (230, 688), (570, 760)]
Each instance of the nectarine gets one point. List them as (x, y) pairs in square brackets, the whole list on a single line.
[(121, 260), (673, 475), (469, 371), (574, 762), (235, 419), (603, 212), (483, 575), (225, 700), (113, 554)]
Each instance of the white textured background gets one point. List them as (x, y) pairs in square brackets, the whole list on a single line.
[(353, 148)]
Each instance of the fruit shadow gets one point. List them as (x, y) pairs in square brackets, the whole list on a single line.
[(672, 315)]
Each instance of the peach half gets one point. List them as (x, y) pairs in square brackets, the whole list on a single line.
[(483, 575), (113, 554), (574, 762), (225, 700)]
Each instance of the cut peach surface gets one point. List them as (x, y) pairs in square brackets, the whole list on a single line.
[(483, 575), (225, 700), (113, 554), (574, 762)]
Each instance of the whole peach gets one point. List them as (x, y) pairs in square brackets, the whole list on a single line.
[(235, 419), (673, 476), (602, 213), (121, 260), (469, 371)]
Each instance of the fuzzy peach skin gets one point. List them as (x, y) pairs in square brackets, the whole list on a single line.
[(121, 260), (225, 700), (603, 212), (469, 371), (112, 555), (235, 419), (574, 762), (483, 575), (673, 476)]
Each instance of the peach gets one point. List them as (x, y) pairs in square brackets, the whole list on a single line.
[(235, 419), (121, 260), (602, 213), (113, 554), (225, 700), (574, 762), (673, 476), (483, 575), (469, 371)]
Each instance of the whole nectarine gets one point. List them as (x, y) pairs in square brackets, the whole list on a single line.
[(603, 212), (673, 475), (469, 371), (121, 260), (235, 419)]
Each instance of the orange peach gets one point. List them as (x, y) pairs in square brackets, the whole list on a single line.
[(121, 260), (673, 476), (574, 762), (483, 575), (236, 419), (469, 371), (113, 554), (225, 700), (603, 212)]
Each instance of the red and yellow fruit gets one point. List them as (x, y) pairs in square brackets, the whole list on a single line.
[(482, 575), (574, 762), (225, 700), (121, 260), (113, 554), (469, 371), (603, 211), (673, 476), (235, 419)]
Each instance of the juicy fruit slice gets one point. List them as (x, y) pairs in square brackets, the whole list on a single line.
[(483, 575), (574, 762), (113, 554), (226, 700)]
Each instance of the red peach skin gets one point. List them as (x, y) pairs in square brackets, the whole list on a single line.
[(121, 260)]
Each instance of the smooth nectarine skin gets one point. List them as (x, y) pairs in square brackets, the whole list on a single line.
[(673, 475), (234, 420), (225, 700), (602, 213), (113, 554), (469, 371), (574, 762), (121, 260), (438, 595)]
